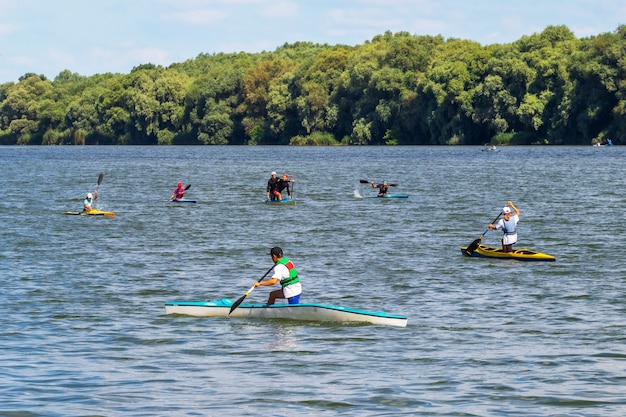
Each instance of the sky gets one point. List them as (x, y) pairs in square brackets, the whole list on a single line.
[(92, 37)]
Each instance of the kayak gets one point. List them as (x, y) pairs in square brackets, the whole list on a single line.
[(392, 196), (182, 200), (522, 254), (91, 213), (302, 312), (283, 202)]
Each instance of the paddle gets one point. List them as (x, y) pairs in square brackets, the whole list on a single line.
[(240, 300), (100, 178), (474, 245), (372, 182)]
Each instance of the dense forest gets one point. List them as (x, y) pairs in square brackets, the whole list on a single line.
[(397, 89)]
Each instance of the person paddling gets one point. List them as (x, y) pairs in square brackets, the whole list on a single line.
[(383, 188), (283, 184), (179, 192), (508, 224), (284, 273), (88, 202)]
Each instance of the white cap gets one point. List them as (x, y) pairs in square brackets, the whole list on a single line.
[(506, 210), (273, 172), (89, 195)]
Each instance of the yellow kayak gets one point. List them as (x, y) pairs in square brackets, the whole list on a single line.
[(522, 254), (93, 212)]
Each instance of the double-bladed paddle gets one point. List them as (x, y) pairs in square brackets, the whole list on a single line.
[(474, 245), (240, 300), (372, 182)]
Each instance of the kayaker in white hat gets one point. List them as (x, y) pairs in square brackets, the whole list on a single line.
[(508, 224), (88, 202)]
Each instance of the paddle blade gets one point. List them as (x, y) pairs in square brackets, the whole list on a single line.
[(187, 187), (109, 214), (100, 178), (364, 181), (240, 300), (472, 247)]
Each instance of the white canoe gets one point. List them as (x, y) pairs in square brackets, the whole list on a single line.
[(306, 312)]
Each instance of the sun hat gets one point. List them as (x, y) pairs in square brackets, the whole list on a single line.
[(506, 210), (276, 251), (89, 195), (273, 172)]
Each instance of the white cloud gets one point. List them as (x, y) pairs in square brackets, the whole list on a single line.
[(196, 17), (281, 9)]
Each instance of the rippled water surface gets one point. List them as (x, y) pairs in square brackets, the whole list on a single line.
[(83, 326)]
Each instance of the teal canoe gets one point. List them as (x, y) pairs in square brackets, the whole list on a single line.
[(283, 202), (395, 195), (301, 312)]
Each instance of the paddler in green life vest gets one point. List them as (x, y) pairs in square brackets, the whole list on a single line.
[(285, 274)]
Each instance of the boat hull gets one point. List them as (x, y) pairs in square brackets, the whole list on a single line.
[(283, 202), (522, 254), (182, 201), (396, 195), (302, 312), (91, 213)]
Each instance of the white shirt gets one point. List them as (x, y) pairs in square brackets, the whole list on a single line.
[(508, 239), (281, 272)]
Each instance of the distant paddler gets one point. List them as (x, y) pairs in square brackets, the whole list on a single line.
[(179, 192)]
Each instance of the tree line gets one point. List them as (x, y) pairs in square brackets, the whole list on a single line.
[(397, 89)]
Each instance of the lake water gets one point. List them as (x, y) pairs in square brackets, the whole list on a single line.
[(83, 326)]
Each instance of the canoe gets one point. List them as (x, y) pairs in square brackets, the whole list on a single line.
[(283, 202), (91, 213), (392, 196), (522, 254), (302, 312), (182, 200)]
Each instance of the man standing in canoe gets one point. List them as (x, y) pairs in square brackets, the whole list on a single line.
[(508, 224), (88, 202), (284, 273), (272, 191), (382, 188), (283, 183)]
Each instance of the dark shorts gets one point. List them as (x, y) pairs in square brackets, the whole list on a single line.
[(294, 300)]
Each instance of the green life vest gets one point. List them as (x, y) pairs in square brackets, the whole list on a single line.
[(293, 274)]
